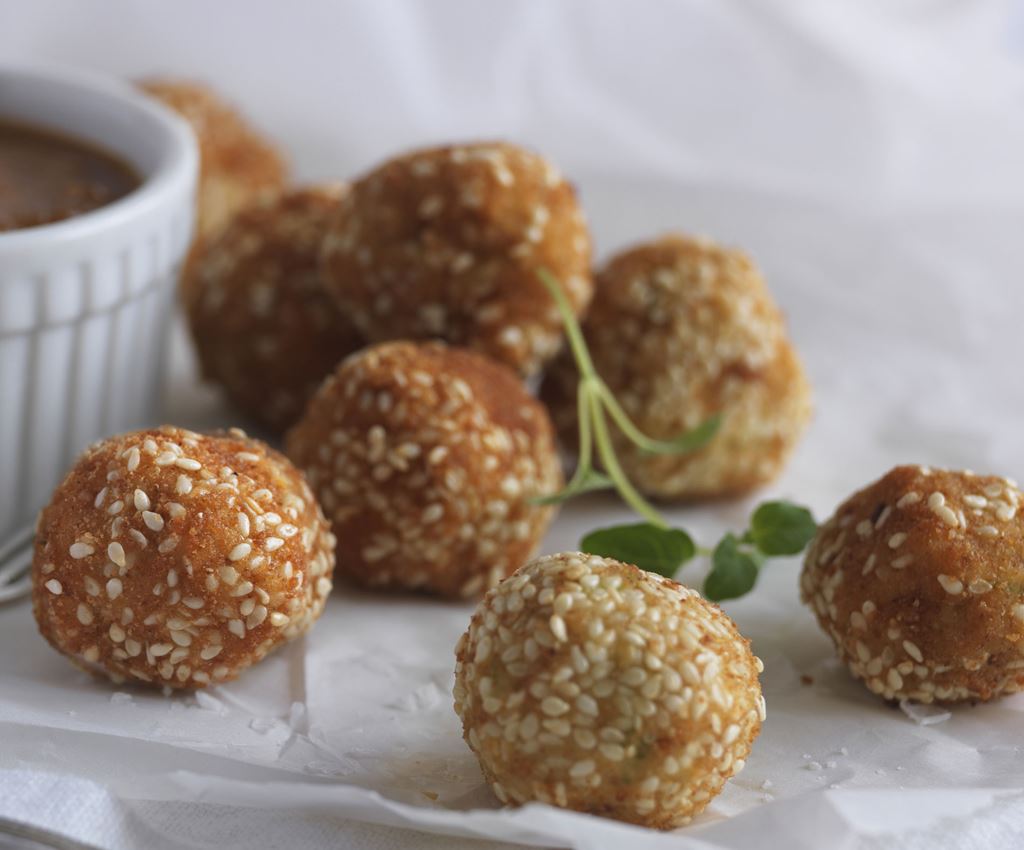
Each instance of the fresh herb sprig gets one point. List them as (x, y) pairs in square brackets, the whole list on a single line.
[(593, 401), (776, 528)]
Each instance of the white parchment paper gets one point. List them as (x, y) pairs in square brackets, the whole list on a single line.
[(868, 155)]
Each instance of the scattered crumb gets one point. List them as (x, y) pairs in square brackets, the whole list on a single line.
[(120, 698), (813, 765), (430, 795), (806, 680)]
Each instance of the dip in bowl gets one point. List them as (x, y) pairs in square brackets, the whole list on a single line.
[(89, 262)]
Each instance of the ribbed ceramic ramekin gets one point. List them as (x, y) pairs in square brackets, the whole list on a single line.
[(85, 303)]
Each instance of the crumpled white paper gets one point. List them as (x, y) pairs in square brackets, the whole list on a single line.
[(866, 154)]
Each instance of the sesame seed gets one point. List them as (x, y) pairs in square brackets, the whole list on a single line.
[(1005, 512), (908, 499), (188, 463), (612, 752), (951, 585), (883, 516), (240, 551), (80, 550), (115, 551), (115, 507), (897, 540), (582, 768), (554, 706), (117, 634), (901, 562), (278, 619), (979, 585), (100, 497), (557, 625), (432, 513), (159, 650), (975, 501), (228, 574), (183, 486), (272, 544), (864, 528), (913, 651), (237, 628), (483, 649), (894, 679), (84, 613), (154, 522), (988, 531), (141, 501), (242, 589), (134, 456), (210, 652), (54, 587), (114, 588)]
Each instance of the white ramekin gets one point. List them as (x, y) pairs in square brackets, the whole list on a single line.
[(85, 303)]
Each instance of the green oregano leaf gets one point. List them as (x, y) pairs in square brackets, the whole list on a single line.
[(781, 528), (733, 571), (657, 550)]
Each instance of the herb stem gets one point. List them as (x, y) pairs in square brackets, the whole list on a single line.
[(584, 462), (572, 327), (606, 451)]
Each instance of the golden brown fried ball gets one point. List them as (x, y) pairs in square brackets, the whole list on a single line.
[(425, 459), (917, 580), (238, 165), (178, 559), (263, 325), (681, 329), (445, 243), (592, 685)]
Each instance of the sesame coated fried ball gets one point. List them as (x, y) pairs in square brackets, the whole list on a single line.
[(179, 559), (426, 459), (264, 327), (445, 243), (917, 579), (681, 329), (590, 684), (236, 163)]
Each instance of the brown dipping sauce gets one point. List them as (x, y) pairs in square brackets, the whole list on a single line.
[(47, 177)]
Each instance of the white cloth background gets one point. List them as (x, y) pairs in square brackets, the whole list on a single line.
[(868, 154)]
